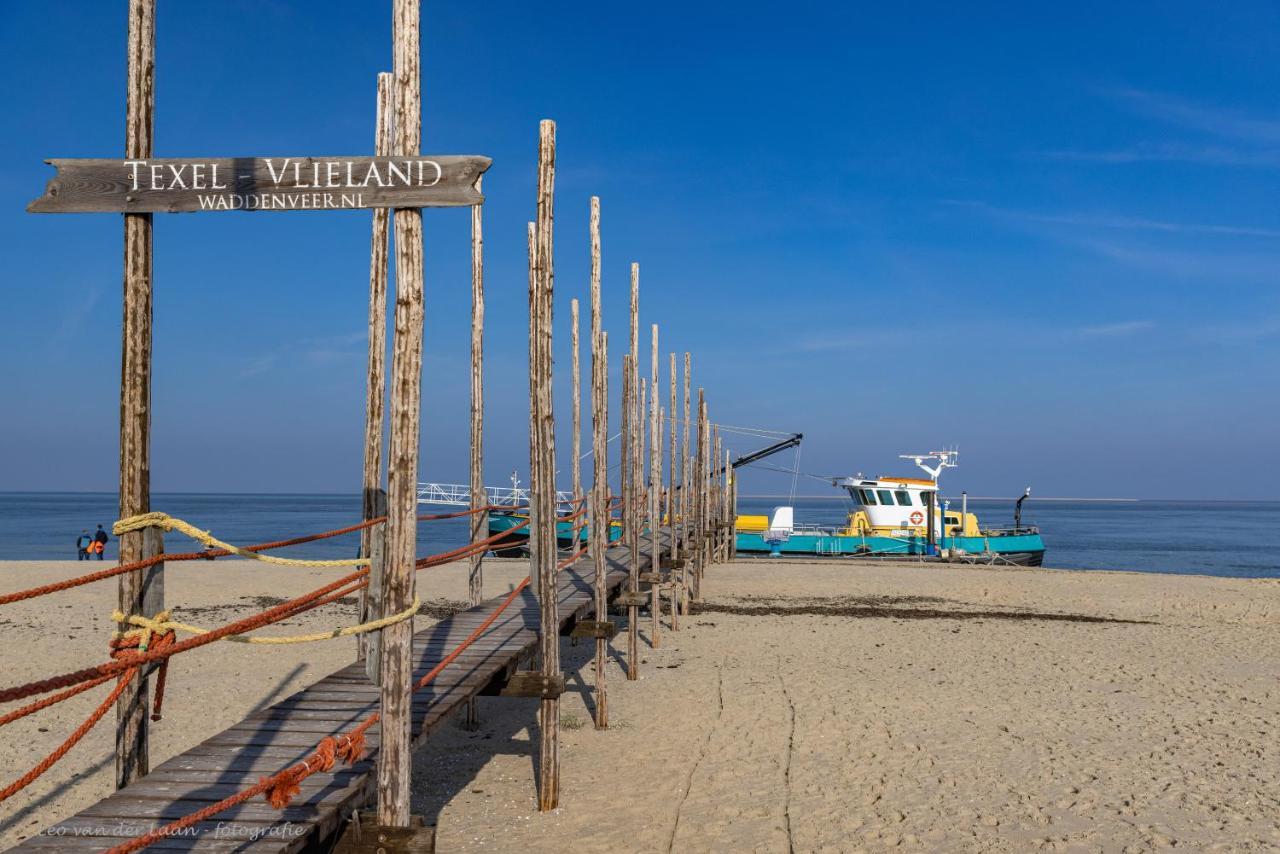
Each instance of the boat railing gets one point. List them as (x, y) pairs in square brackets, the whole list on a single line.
[(1010, 531), (459, 495)]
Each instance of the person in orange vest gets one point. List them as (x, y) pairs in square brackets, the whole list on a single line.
[(100, 543)]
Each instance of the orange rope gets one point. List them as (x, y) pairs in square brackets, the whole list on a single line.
[(210, 554), (281, 787), (131, 661)]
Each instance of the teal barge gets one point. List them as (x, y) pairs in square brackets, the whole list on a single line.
[(1022, 547), (898, 517), (516, 542)]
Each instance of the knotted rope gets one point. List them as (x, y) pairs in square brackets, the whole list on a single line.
[(151, 631), (161, 623), (165, 522)]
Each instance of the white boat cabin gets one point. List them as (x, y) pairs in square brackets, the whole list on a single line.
[(896, 504), (903, 505)]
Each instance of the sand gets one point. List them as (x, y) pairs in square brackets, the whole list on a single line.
[(807, 707)]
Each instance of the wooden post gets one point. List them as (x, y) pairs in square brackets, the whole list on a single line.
[(634, 413), (394, 754), (542, 468), (717, 502), (140, 591), (634, 482), (708, 462), (479, 496), (671, 501), (642, 446), (701, 477), (599, 523), (686, 498), (628, 517), (577, 421), (726, 541), (655, 486), (624, 464), (733, 518), (373, 540), (695, 521)]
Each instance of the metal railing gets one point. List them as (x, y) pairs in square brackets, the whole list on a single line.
[(459, 495)]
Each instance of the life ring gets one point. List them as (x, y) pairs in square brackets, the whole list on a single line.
[(917, 517)]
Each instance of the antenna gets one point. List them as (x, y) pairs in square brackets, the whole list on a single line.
[(947, 458)]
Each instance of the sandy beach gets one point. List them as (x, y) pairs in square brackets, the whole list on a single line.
[(804, 707)]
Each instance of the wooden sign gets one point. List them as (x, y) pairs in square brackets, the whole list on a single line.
[(175, 185)]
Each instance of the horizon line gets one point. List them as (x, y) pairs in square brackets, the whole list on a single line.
[(356, 495)]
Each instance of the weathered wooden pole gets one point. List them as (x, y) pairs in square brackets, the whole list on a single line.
[(726, 512), (479, 496), (717, 503), (373, 540), (733, 517), (577, 422), (671, 503), (629, 521), (708, 465), (598, 526), (701, 477), (542, 466), (655, 487), (642, 446), (394, 754), (640, 434), (641, 485), (636, 483), (140, 591), (624, 464), (695, 520), (686, 497)]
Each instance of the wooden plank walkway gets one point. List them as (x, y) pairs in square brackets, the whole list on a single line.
[(272, 739)]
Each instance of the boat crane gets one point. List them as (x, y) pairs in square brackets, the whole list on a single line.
[(459, 494)]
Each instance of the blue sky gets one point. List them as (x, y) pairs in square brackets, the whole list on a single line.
[(1049, 236)]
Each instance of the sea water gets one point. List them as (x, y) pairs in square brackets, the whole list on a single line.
[(1232, 538), (1235, 538)]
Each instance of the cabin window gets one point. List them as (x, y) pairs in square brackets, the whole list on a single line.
[(886, 497), (904, 497), (868, 497), (952, 520)]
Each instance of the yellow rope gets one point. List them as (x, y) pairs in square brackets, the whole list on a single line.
[(146, 626), (170, 523)]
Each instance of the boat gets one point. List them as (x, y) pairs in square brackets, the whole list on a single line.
[(898, 517), (516, 542)]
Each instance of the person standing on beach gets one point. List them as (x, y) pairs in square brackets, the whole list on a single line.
[(82, 545), (100, 541)]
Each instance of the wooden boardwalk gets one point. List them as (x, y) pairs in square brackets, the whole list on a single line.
[(286, 733)]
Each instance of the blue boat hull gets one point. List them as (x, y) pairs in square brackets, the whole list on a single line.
[(1023, 549), (516, 542)]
